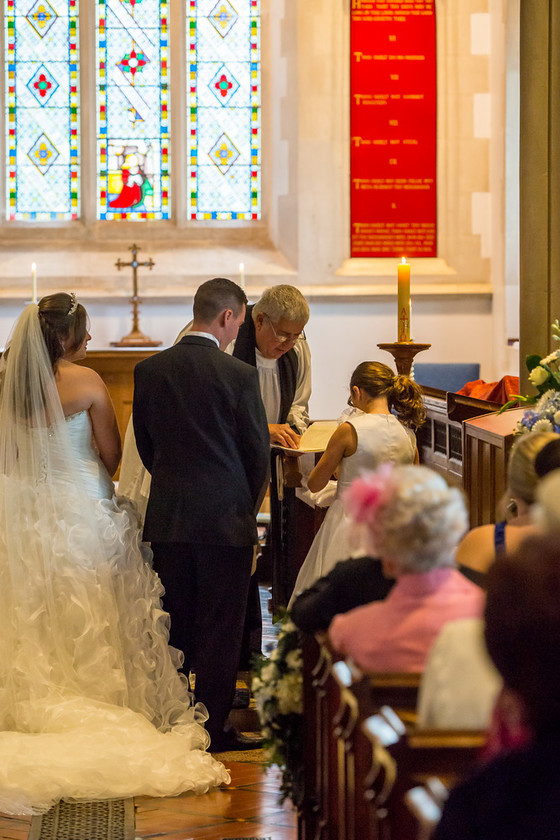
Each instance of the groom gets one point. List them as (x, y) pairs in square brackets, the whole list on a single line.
[(201, 432)]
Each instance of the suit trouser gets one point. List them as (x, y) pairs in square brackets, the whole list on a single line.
[(206, 589)]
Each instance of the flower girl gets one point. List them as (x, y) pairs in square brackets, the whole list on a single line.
[(371, 436)]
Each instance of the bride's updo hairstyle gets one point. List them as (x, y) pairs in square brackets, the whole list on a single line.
[(403, 394), (62, 320), (412, 515)]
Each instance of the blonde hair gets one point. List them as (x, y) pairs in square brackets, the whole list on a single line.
[(403, 394), (522, 477)]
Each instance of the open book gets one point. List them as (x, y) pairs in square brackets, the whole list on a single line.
[(314, 439)]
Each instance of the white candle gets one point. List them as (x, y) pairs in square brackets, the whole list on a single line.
[(403, 301), (34, 282), (242, 275)]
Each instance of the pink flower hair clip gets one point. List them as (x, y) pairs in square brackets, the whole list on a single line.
[(368, 493)]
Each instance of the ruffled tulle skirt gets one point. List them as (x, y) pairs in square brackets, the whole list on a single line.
[(91, 704)]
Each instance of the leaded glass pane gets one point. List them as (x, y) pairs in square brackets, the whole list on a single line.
[(132, 109), (224, 109), (42, 109)]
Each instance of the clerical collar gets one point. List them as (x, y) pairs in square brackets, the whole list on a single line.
[(204, 335), (262, 361)]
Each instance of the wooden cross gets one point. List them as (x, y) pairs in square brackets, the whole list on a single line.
[(135, 337)]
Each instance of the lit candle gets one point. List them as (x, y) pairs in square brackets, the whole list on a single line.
[(403, 301), (34, 282), (242, 275)]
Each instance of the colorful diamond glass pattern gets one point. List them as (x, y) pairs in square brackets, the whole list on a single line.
[(43, 154), (224, 154), (224, 85), (42, 110), (222, 17), (42, 85), (41, 16), (133, 176)]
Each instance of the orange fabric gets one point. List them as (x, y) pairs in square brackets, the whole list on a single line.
[(498, 392)]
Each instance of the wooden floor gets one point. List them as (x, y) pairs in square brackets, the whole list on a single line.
[(247, 808)]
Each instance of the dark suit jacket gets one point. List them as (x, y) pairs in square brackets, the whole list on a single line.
[(201, 432)]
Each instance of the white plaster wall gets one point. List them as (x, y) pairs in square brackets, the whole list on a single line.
[(341, 334)]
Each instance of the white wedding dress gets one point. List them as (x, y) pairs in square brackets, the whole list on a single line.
[(91, 704), (381, 438)]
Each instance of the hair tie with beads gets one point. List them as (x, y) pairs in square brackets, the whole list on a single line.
[(74, 304)]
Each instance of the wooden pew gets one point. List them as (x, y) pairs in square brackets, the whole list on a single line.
[(406, 758), (425, 804), (337, 755)]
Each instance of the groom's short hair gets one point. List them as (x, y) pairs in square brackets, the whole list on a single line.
[(216, 295)]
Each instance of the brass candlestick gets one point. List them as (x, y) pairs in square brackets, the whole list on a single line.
[(404, 352)]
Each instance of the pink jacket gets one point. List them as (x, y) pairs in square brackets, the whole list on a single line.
[(396, 634)]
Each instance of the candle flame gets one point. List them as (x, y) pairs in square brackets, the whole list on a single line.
[(33, 266), (403, 260)]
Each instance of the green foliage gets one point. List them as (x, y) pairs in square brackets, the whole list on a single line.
[(278, 688)]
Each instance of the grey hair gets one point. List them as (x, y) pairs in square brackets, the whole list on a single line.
[(282, 302), (422, 521)]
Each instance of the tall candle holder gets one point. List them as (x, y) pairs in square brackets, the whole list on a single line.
[(403, 353)]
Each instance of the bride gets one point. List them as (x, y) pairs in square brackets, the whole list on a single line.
[(91, 703)]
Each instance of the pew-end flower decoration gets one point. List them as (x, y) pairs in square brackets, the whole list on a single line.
[(278, 691), (544, 374)]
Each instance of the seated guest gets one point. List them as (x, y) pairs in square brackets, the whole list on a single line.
[(459, 686), (516, 795), (352, 583), (415, 521), (479, 548)]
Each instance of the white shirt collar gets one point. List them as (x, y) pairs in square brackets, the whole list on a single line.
[(204, 335)]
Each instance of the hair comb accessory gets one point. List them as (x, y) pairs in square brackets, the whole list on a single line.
[(73, 305), (368, 493)]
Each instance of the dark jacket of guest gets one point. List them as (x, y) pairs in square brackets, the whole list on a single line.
[(514, 797)]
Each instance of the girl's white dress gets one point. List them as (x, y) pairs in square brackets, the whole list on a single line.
[(91, 703), (381, 438)]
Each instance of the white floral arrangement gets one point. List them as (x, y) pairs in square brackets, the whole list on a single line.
[(278, 691), (544, 374)]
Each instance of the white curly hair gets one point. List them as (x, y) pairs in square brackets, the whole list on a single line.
[(420, 521)]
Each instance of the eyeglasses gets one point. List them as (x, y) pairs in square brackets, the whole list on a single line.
[(282, 337)]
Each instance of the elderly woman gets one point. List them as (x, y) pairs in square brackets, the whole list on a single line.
[(415, 521)]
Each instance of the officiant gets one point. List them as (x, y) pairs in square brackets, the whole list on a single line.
[(272, 340)]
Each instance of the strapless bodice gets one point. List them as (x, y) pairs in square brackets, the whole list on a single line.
[(93, 476)]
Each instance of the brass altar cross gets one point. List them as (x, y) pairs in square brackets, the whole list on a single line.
[(135, 337)]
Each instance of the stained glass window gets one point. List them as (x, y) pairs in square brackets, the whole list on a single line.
[(223, 109), (42, 109), (132, 109)]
